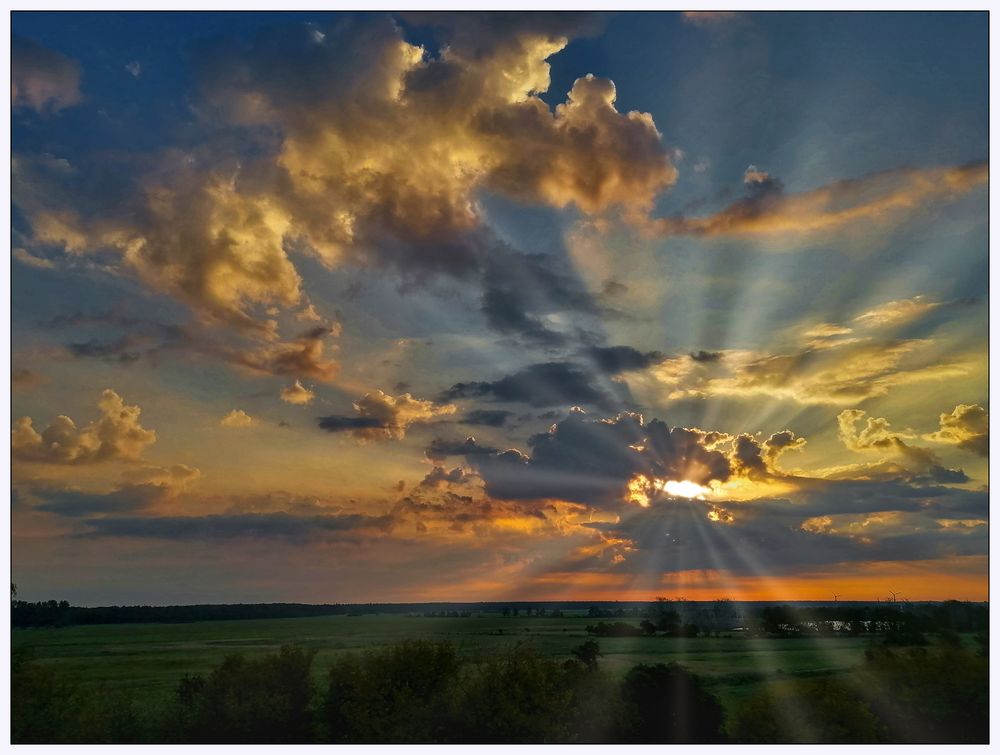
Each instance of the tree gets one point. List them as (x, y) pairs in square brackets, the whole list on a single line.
[(396, 693), (588, 653), (667, 703), (262, 700)]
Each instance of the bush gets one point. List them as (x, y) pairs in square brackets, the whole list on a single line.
[(666, 703), (517, 697), (802, 712), (399, 693), (263, 700), (46, 708), (928, 696)]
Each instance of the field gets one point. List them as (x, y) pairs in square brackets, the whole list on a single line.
[(147, 660)]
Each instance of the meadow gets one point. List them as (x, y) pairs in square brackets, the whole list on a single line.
[(148, 660)]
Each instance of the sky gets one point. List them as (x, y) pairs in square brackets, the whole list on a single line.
[(329, 307)]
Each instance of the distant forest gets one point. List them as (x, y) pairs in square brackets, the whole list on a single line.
[(676, 618)]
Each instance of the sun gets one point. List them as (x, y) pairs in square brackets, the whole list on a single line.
[(685, 489)]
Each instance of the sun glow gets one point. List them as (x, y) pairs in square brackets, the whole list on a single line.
[(685, 489)]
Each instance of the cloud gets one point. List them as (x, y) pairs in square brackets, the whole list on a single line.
[(835, 372), (440, 449), (487, 417), (22, 379), (381, 416), (838, 523), (27, 258), (876, 435), (614, 360), (895, 313), (41, 79), (593, 460), (264, 526), (877, 197), (438, 477), (116, 436), (546, 384), (780, 442), (967, 426), (302, 357), (238, 418), (351, 144), (76, 504), (176, 475), (297, 394)]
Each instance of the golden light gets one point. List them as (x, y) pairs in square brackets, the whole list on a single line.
[(685, 489)]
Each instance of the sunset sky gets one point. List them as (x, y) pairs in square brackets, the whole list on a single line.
[(405, 307)]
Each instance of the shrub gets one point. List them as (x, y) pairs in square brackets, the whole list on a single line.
[(398, 693), (261, 700), (666, 703)]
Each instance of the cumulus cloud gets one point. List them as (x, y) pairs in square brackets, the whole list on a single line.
[(116, 436), (303, 357), (238, 418), (42, 79), (895, 313), (297, 394), (967, 426), (876, 435), (381, 416), (780, 442), (349, 143), (593, 460), (878, 197)]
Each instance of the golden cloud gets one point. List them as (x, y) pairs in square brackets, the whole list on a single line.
[(238, 418), (297, 394), (116, 436), (967, 426), (876, 198)]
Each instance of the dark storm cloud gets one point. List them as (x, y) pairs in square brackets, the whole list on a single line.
[(441, 448), (706, 357), (506, 312), (75, 503), (538, 385), (881, 522), (614, 360), (592, 460), (337, 423), (118, 350), (487, 417), (266, 526)]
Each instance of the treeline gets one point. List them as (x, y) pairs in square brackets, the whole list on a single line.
[(897, 624), (424, 692)]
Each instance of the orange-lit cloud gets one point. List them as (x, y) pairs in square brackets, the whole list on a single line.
[(116, 436), (877, 198)]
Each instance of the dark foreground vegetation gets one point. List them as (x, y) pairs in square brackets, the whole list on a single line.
[(422, 691)]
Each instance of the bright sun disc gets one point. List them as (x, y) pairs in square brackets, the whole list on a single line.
[(685, 489)]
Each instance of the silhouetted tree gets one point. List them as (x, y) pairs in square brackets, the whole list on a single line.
[(667, 703)]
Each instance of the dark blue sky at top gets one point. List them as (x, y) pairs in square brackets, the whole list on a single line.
[(874, 81)]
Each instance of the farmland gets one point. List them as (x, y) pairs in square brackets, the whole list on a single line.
[(147, 660)]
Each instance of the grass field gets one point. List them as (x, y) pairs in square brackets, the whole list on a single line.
[(147, 660)]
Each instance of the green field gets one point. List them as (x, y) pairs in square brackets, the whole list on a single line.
[(147, 660)]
